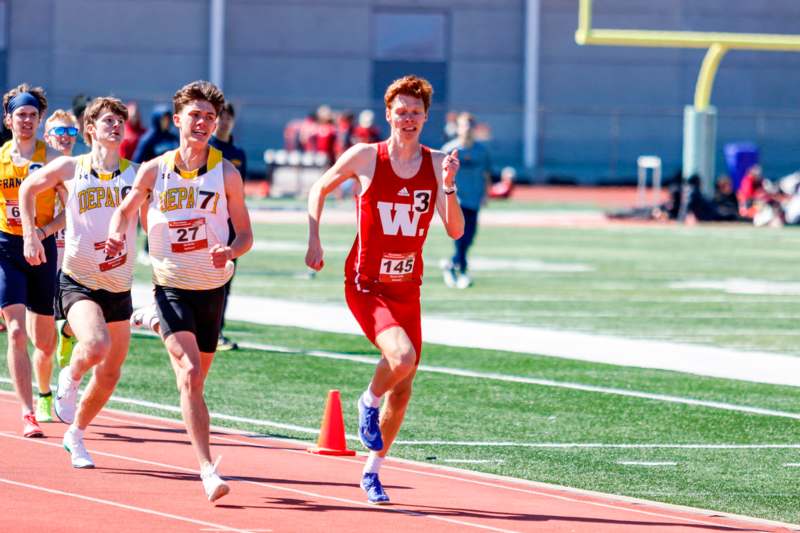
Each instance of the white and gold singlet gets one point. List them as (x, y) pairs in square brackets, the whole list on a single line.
[(91, 201), (187, 216)]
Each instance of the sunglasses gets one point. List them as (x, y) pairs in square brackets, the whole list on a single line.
[(61, 130)]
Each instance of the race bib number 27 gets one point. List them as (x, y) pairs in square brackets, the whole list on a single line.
[(188, 235), (108, 262)]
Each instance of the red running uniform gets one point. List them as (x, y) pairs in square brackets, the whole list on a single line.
[(383, 271)]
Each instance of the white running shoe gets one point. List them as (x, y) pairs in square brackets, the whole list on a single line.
[(145, 318), (66, 401), (214, 485), (463, 281), (73, 443), (449, 275)]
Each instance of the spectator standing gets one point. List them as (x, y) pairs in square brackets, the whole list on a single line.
[(450, 126), (158, 138), (326, 134), (725, 202), (366, 131), (222, 140), (472, 182), (79, 103), (344, 131), (133, 131)]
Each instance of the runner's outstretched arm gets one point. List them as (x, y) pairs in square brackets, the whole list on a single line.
[(127, 210), (240, 219), (350, 165), (47, 177)]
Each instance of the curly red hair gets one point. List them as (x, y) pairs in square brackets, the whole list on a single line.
[(411, 86)]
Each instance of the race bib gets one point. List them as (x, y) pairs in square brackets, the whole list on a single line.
[(107, 262), (188, 235), (61, 237), (12, 214), (396, 267)]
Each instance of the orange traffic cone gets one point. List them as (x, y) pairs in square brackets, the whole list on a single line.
[(331, 436)]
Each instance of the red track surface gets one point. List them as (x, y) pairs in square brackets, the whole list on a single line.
[(146, 480)]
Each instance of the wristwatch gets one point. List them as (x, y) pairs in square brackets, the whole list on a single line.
[(449, 190)]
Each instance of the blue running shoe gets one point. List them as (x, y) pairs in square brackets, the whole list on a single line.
[(369, 429), (372, 486)]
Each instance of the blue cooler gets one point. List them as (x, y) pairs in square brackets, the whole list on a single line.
[(739, 157)]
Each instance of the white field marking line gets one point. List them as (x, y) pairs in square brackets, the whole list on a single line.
[(494, 479), (473, 461), (218, 527), (270, 486), (752, 366), (537, 381), (482, 444), (470, 374), (232, 418), (599, 445), (647, 463)]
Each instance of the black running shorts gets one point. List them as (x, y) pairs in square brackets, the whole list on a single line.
[(198, 312), (116, 306)]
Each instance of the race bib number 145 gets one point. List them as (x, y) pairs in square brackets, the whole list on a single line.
[(396, 267)]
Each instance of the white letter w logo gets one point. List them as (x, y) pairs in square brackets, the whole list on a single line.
[(400, 221)]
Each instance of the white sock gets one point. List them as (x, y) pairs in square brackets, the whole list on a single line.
[(373, 464), (76, 430), (369, 399)]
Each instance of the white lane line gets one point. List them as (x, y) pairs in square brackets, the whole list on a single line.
[(271, 486), (647, 463), (472, 461), (493, 480), (218, 527), (791, 465), (456, 474), (451, 474)]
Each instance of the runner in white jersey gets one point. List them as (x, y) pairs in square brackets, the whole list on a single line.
[(193, 191), (94, 290)]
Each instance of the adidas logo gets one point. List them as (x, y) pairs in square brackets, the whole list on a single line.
[(403, 192)]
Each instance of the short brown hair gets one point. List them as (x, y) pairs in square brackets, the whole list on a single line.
[(37, 93), (198, 90), (96, 108), (411, 86)]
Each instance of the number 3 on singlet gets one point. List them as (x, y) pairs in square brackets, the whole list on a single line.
[(107, 262), (396, 267), (188, 235), (12, 214)]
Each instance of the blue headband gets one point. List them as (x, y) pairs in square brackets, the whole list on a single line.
[(23, 99)]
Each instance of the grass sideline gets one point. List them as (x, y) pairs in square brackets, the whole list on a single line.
[(617, 280), (291, 389)]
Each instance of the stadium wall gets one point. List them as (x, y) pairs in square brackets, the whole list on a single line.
[(286, 57)]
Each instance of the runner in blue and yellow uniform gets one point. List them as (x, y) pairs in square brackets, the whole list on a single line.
[(26, 292)]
